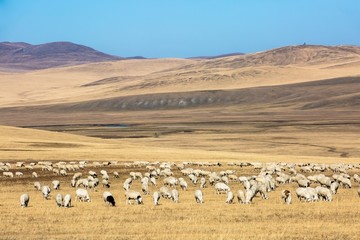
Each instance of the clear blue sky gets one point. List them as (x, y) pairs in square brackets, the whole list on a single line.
[(181, 28)]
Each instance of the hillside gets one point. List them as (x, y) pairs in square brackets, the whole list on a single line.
[(24, 56)]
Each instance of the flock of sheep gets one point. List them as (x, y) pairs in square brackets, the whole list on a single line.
[(313, 185)]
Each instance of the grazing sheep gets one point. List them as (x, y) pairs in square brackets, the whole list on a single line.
[(313, 193), (116, 174), (193, 178), (63, 172), (356, 178), (230, 197), (324, 181), (344, 182), (37, 186), (221, 187), (34, 175), (203, 182), (145, 188), (24, 200), (303, 183), (334, 187), (46, 192), (67, 201), (56, 184), (302, 193), (127, 184), (59, 200), (170, 181), (8, 174), (133, 196), (153, 181), (105, 183), (286, 196), (73, 182), (77, 176), (241, 197), (82, 195), (93, 174), (156, 198), (199, 196), (175, 195), (183, 184), (145, 180), (19, 174), (165, 192), (249, 195), (109, 199), (324, 193)]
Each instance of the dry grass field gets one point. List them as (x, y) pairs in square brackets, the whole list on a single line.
[(264, 219), (290, 105)]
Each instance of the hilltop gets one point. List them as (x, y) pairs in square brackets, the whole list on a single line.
[(24, 56)]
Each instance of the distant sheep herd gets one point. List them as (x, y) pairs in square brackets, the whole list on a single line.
[(313, 184)]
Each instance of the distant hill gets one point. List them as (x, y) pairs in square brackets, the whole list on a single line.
[(290, 55), (24, 56), (217, 56)]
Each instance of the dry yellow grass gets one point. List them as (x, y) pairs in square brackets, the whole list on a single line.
[(265, 219)]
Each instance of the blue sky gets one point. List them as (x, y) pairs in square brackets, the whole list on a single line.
[(181, 28)]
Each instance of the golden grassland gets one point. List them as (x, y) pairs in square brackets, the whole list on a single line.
[(265, 219)]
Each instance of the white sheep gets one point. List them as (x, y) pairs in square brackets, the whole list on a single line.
[(203, 182), (105, 183), (175, 195), (56, 184), (145, 188), (156, 198), (230, 197), (324, 193), (59, 200), (46, 191), (221, 187), (82, 195), (249, 195), (165, 192), (116, 174), (153, 181), (193, 178), (334, 187), (199, 196), (24, 200), (241, 197), (37, 186), (133, 196), (171, 181), (127, 184), (183, 184), (67, 201)]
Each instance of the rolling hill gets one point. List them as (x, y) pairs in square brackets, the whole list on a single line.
[(287, 80), (24, 56)]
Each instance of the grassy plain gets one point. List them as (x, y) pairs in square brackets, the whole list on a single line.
[(265, 219)]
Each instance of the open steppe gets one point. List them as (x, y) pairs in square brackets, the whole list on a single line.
[(295, 104)]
